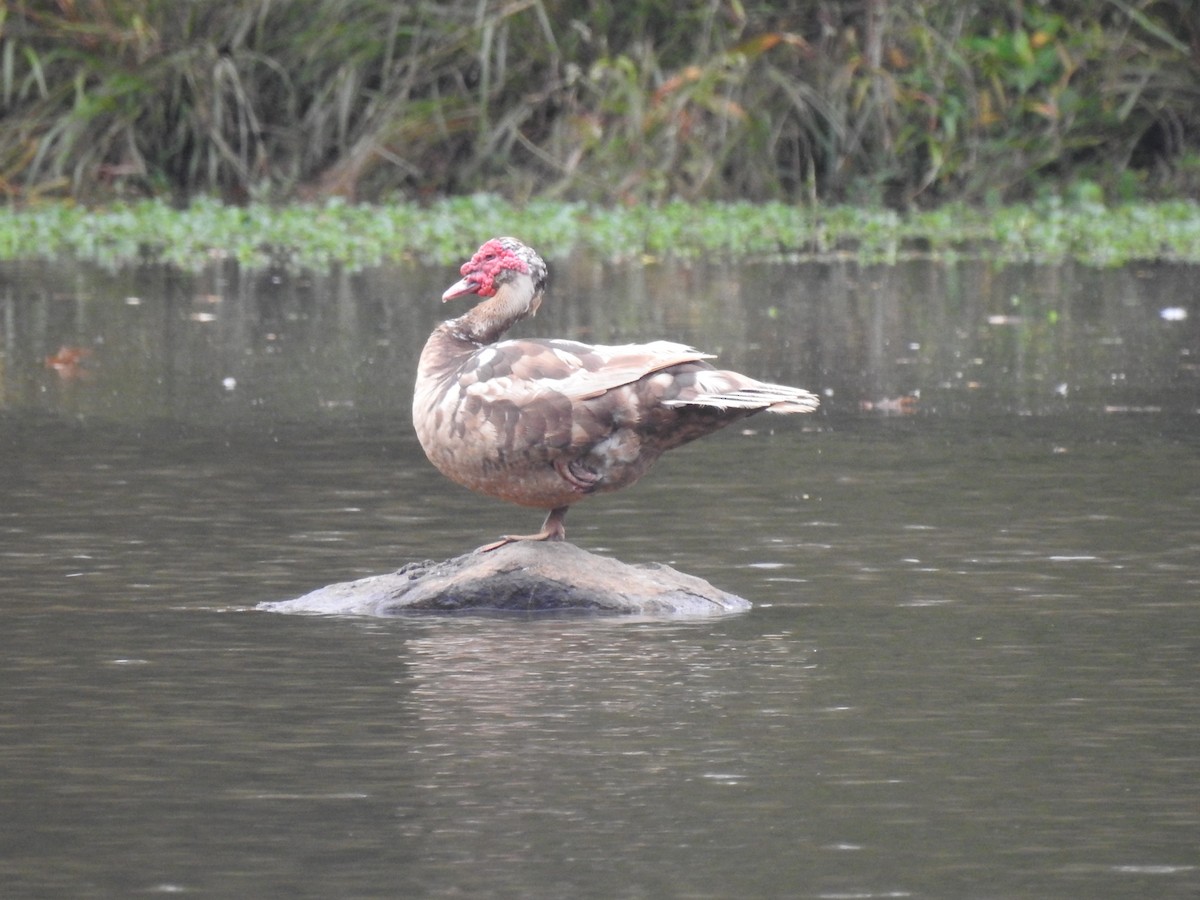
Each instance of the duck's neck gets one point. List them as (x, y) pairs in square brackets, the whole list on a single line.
[(487, 321)]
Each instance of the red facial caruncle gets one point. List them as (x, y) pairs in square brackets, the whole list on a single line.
[(481, 270)]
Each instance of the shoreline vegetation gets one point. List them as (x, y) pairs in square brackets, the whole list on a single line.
[(258, 130), (894, 104), (320, 236)]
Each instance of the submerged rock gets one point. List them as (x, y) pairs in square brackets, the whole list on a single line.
[(521, 577)]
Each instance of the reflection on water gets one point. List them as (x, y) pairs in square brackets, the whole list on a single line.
[(970, 669), (935, 338)]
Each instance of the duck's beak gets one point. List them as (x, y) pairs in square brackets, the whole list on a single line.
[(466, 285)]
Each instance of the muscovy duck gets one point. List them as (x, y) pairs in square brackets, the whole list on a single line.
[(547, 423)]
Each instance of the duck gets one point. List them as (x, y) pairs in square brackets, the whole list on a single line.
[(547, 423)]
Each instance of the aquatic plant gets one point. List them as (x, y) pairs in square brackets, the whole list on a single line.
[(321, 235)]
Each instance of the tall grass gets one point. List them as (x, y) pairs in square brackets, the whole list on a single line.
[(869, 101)]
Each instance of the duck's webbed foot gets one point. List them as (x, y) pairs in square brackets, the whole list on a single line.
[(553, 529)]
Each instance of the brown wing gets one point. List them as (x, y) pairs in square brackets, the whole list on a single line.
[(527, 371)]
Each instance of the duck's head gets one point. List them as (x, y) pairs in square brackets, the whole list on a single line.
[(503, 264)]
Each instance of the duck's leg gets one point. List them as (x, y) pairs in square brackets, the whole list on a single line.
[(553, 529)]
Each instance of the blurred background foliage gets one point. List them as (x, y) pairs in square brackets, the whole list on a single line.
[(899, 103)]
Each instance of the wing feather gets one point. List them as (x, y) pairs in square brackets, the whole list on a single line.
[(524, 371)]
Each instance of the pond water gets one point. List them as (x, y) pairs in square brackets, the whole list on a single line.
[(971, 669)]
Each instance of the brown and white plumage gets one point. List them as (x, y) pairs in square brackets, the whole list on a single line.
[(547, 423)]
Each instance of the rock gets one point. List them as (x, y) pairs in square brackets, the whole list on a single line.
[(521, 577)]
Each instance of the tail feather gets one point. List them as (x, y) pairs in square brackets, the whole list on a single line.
[(775, 398)]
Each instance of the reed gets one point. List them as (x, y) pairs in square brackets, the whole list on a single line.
[(877, 102)]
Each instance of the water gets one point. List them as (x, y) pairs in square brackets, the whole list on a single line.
[(971, 669)]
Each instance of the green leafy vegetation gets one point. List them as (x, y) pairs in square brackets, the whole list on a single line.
[(873, 102), (320, 235), (253, 129)]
